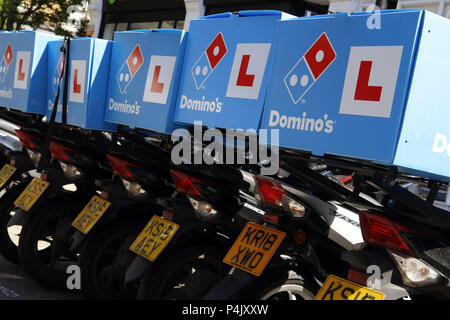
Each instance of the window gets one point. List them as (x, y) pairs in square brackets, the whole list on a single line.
[(123, 21), (180, 24), (108, 34), (167, 24), (123, 26), (144, 25)]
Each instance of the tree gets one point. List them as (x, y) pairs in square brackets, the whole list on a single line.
[(8, 13), (48, 15), (83, 29)]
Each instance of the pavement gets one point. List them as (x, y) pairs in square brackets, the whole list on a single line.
[(15, 284)]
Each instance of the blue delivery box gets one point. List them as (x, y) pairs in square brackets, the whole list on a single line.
[(23, 70), (227, 63), (88, 74), (144, 78), (365, 87)]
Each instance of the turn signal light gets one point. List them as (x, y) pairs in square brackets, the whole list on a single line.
[(70, 171), (202, 209), (272, 193), (134, 189), (35, 156), (415, 273)]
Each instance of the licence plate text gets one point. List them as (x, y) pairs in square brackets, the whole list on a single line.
[(91, 214), (154, 238), (31, 194), (254, 248), (6, 173), (335, 288)]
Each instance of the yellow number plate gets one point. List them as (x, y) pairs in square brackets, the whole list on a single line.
[(254, 248), (335, 288), (6, 173), (31, 194), (90, 214), (154, 238)]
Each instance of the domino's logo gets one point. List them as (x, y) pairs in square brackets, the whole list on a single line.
[(208, 60), (309, 68), (6, 62), (129, 69), (58, 73)]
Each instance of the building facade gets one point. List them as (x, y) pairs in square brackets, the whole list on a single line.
[(108, 16), (441, 7)]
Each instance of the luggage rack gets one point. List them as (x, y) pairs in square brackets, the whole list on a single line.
[(21, 119), (378, 178)]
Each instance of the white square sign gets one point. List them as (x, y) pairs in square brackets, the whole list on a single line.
[(370, 81), (22, 69), (159, 77), (77, 81), (248, 69)]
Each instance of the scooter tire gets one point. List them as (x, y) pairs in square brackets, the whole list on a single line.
[(8, 249), (156, 281), (96, 245)]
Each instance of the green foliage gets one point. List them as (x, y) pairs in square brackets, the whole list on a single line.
[(49, 15)]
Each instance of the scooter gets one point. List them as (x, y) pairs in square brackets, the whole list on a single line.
[(140, 176), (50, 203), (17, 174), (293, 250), (212, 205)]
